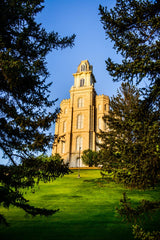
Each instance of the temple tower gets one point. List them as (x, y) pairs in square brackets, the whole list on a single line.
[(80, 118)]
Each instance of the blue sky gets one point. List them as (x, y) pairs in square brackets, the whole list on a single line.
[(81, 18)]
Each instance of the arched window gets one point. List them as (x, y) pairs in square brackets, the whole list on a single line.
[(106, 107), (63, 147), (80, 102), (99, 106), (82, 82), (97, 146), (79, 143), (99, 123), (83, 67), (79, 121), (65, 110), (64, 126)]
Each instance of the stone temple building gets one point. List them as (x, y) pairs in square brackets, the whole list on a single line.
[(80, 118)]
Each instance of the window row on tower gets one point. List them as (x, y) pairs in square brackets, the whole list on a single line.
[(80, 104), (80, 123), (79, 144), (100, 107)]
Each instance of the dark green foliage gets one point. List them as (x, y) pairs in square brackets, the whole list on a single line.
[(24, 101), (30, 172), (130, 150), (90, 158), (139, 233), (133, 26), (131, 214)]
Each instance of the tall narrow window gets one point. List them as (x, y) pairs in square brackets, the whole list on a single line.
[(63, 147), (97, 146), (82, 82), (105, 107), (83, 67), (99, 123), (65, 110), (80, 102), (64, 126), (79, 143), (99, 106), (79, 121)]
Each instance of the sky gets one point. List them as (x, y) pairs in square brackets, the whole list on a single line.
[(81, 18)]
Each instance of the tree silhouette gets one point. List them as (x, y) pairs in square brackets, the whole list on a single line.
[(133, 26), (24, 101)]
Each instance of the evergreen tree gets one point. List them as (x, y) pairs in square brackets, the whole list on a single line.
[(90, 158), (133, 26), (24, 101), (129, 149)]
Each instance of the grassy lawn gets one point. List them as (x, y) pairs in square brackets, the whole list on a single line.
[(87, 210)]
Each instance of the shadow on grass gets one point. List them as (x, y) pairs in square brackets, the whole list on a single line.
[(58, 196), (100, 181)]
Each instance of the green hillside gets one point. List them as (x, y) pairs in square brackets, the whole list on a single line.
[(87, 210)]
